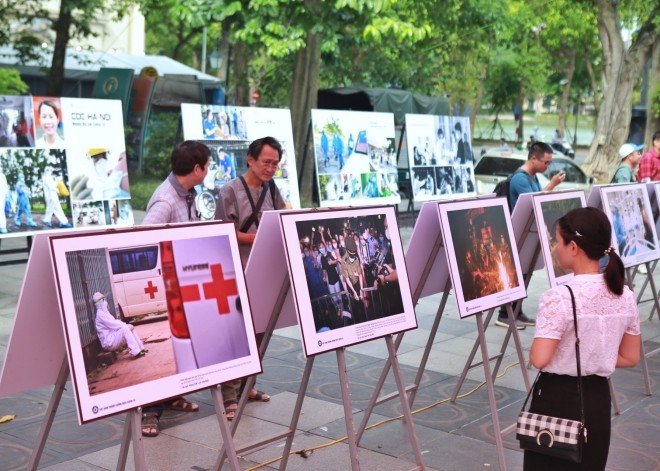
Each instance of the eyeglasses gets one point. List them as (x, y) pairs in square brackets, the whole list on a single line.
[(269, 163)]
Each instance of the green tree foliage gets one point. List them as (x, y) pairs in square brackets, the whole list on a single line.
[(11, 83), (33, 23)]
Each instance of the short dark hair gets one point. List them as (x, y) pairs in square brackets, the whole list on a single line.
[(186, 155), (257, 146), (538, 150), (656, 136), (591, 230), (458, 126), (50, 104)]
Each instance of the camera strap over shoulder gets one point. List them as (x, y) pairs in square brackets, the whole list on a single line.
[(254, 217)]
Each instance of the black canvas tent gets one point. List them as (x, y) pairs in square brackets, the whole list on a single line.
[(387, 100)]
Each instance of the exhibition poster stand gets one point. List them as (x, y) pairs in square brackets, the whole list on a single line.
[(272, 306), (428, 273), (595, 200), (28, 368)]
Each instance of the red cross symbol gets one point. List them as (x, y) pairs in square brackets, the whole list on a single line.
[(151, 290), (220, 289)]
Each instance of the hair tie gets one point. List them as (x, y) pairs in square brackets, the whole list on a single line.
[(608, 250)]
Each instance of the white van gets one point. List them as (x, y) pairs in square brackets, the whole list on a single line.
[(138, 282)]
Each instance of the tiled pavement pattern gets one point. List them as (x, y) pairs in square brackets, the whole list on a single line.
[(453, 437)]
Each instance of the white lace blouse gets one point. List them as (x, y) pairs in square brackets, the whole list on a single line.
[(603, 318)]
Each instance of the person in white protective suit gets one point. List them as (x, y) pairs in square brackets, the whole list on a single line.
[(4, 190), (52, 197), (113, 333)]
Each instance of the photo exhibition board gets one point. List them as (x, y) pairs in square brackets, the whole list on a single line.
[(482, 254), (526, 233), (548, 208), (229, 130), (266, 273), (633, 230), (654, 196), (348, 276), (355, 157), (62, 165), (26, 367), (206, 338), (440, 156)]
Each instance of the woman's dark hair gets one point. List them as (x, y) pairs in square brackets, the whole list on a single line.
[(257, 146), (590, 229), (52, 105), (186, 155)]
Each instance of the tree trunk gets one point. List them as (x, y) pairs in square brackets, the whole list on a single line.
[(563, 105), (652, 121), (62, 35), (476, 104), (239, 74), (622, 69), (303, 99), (593, 82)]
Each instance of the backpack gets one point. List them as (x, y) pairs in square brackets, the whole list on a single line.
[(502, 189)]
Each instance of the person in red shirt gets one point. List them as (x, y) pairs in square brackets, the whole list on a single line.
[(649, 166)]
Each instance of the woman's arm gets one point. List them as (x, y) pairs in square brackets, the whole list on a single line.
[(629, 351), (542, 351)]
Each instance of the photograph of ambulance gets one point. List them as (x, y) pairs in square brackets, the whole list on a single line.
[(137, 281), (192, 279)]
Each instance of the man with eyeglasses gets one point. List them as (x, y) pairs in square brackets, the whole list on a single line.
[(243, 201), (524, 180)]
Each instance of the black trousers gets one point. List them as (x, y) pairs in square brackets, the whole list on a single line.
[(557, 395)]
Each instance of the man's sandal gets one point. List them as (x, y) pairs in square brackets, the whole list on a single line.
[(258, 396), (182, 405), (230, 409), (150, 424)]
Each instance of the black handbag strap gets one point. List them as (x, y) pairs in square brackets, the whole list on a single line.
[(254, 217), (577, 357)]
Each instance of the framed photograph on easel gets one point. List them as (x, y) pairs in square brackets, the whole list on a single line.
[(348, 276), (152, 313), (548, 208), (482, 254), (633, 231)]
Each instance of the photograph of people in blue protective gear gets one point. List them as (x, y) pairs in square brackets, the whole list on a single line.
[(355, 158), (153, 314), (348, 275), (228, 131), (440, 156), (634, 235), (45, 175), (481, 251), (548, 208)]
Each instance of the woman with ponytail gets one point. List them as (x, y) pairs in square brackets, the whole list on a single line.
[(609, 332)]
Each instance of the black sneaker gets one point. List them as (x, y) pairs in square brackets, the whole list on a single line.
[(504, 322), (525, 320)]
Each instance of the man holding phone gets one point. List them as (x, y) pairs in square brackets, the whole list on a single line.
[(524, 180)]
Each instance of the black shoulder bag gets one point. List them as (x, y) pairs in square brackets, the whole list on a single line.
[(553, 436), (254, 217)]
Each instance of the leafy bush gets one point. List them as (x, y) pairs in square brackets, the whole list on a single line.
[(162, 134), (141, 190)]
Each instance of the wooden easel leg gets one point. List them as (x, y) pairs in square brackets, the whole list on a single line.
[(348, 409), (225, 429), (491, 391), (396, 371), (296, 412), (53, 404), (132, 432), (615, 403)]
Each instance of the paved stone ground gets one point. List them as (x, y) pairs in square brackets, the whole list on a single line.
[(453, 436)]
